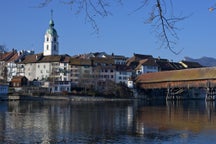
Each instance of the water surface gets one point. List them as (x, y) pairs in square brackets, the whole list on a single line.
[(107, 122)]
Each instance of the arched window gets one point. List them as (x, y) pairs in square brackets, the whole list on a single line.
[(47, 39)]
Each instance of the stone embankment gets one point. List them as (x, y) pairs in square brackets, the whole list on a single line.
[(69, 98)]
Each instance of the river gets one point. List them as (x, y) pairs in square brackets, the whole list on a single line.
[(121, 122)]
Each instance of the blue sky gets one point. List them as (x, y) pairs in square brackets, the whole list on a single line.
[(23, 26)]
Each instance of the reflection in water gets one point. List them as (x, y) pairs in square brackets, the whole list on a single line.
[(106, 122), (177, 120), (47, 121)]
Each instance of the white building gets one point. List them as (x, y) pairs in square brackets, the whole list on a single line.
[(12, 65), (39, 67), (51, 45), (123, 74)]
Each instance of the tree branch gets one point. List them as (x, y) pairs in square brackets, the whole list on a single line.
[(165, 26)]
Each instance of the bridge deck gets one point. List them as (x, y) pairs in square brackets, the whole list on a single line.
[(197, 77)]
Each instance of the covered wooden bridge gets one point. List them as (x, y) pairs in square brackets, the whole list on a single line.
[(181, 80)]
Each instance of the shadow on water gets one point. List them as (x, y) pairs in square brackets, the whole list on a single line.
[(106, 122)]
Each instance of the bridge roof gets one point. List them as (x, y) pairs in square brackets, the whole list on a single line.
[(178, 75)]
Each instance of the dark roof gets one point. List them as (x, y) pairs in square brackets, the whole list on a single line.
[(134, 61), (39, 58), (147, 62), (119, 57), (103, 60), (80, 61), (141, 56), (176, 65), (51, 58), (190, 64), (32, 58), (164, 65), (123, 68)]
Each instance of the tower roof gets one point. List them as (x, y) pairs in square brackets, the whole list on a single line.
[(51, 30)]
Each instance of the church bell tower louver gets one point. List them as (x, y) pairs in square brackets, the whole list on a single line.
[(51, 45)]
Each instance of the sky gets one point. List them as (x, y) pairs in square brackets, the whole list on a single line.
[(125, 32)]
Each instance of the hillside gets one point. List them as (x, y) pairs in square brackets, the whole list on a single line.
[(205, 61)]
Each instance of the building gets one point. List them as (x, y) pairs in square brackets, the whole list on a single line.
[(103, 69), (123, 74), (12, 69), (51, 45), (80, 71), (166, 65), (147, 66), (19, 81), (44, 68)]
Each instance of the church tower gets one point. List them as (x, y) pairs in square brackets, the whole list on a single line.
[(51, 46)]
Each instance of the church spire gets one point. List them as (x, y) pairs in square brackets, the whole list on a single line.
[(51, 23), (51, 13), (51, 39)]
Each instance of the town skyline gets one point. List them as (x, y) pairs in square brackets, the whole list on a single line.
[(123, 33)]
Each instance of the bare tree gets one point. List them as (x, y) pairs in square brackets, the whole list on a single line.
[(90, 8), (212, 8), (164, 22), (164, 25)]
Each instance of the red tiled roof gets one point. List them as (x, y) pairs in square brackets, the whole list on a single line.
[(13, 58), (52, 58), (6, 56), (32, 58)]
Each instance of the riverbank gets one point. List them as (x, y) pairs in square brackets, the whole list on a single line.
[(67, 97)]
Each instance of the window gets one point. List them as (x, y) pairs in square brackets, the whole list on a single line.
[(47, 39), (56, 88), (47, 47)]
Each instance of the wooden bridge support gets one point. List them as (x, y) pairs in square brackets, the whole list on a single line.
[(210, 93), (175, 93)]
